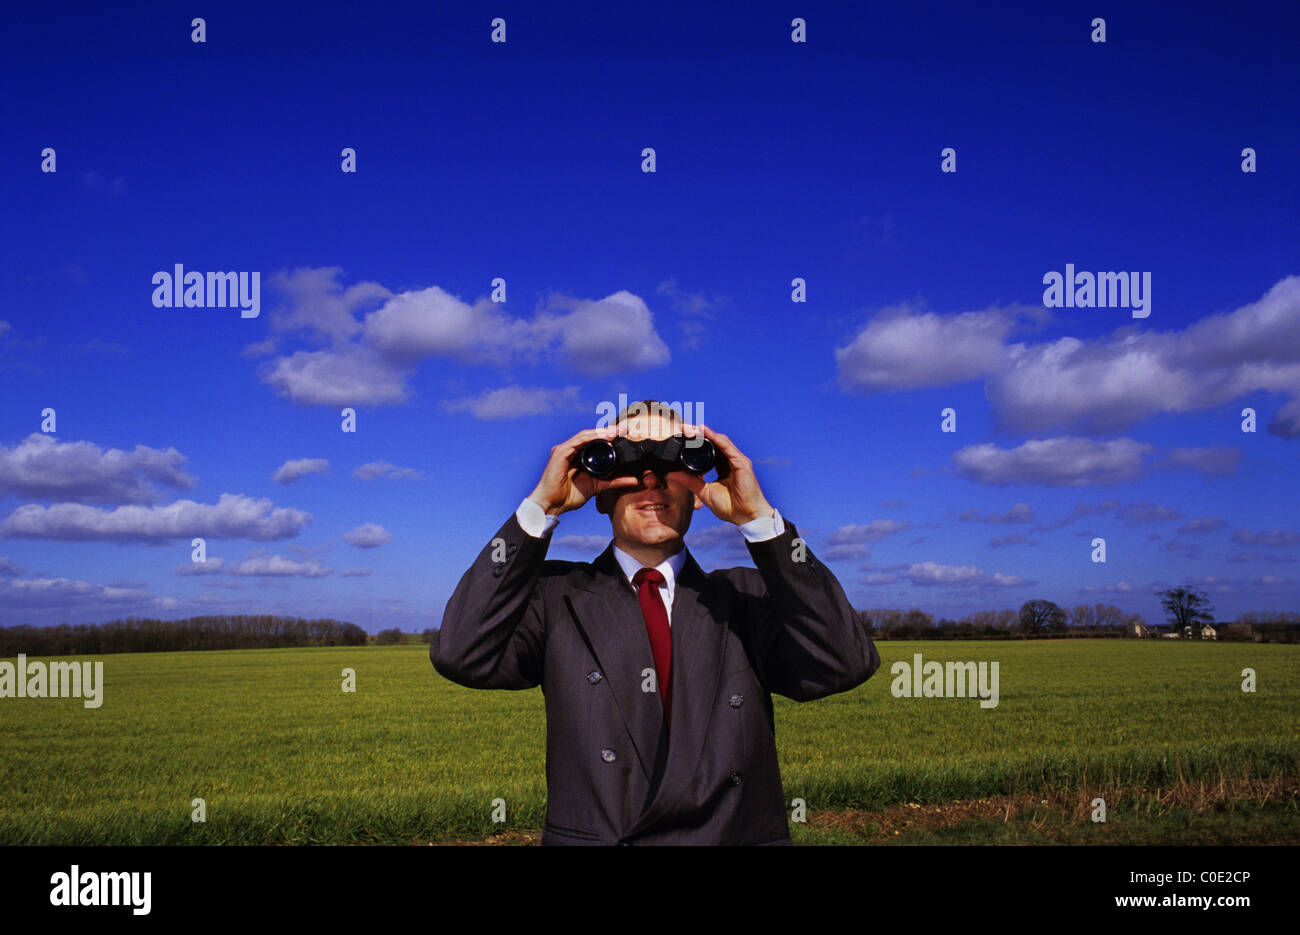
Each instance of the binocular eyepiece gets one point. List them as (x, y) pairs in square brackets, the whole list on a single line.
[(605, 458)]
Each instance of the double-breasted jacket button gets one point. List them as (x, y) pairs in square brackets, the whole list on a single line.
[(735, 778), (512, 548), (594, 676), (736, 700), (496, 572), (608, 755)]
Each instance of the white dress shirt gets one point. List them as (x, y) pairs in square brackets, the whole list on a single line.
[(537, 523)]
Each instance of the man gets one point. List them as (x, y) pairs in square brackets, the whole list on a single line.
[(657, 683)]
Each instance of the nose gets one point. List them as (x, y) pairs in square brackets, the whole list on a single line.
[(649, 479)]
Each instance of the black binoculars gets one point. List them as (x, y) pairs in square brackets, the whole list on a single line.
[(622, 456)]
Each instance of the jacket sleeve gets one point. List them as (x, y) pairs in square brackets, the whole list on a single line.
[(808, 640), (492, 633)]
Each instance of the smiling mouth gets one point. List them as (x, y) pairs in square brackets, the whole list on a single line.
[(654, 507)]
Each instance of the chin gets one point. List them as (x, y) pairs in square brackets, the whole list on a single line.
[(655, 536)]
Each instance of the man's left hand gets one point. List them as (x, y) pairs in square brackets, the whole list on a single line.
[(735, 496)]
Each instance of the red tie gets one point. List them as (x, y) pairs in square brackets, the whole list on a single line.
[(647, 582)]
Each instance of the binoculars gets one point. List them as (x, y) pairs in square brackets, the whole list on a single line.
[(622, 456)]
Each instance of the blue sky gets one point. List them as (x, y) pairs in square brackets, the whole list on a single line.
[(523, 160)]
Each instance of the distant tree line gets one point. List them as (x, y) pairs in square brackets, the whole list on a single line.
[(1263, 627), (1033, 619), (1041, 619), (144, 635)]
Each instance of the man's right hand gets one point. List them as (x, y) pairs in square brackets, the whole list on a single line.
[(565, 486)]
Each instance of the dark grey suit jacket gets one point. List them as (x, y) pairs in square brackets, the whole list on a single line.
[(614, 775)]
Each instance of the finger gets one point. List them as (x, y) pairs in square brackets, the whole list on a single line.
[(726, 447), (570, 446), (617, 483), (723, 443), (692, 482)]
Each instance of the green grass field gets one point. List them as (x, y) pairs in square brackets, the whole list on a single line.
[(281, 755)]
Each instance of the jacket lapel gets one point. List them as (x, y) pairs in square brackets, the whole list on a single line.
[(699, 630), (610, 618)]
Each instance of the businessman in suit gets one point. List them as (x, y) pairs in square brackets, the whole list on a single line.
[(656, 674)]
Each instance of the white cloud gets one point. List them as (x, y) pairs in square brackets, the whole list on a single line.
[(350, 375), (369, 536), (879, 578), (63, 592), (1095, 385), (873, 531), (584, 544), (714, 536), (998, 579), (432, 323), (600, 338), (847, 552), (927, 573), (317, 303), (233, 516), (213, 566), (1056, 462), (1121, 587), (1271, 537), (376, 469), (1205, 460), (849, 543), (291, 471), (517, 402), (695, 312), (1109, 383), (371, 360), (40, 466), (902, 348), (275, 566)]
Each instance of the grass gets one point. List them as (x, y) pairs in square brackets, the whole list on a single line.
[(281, 755)]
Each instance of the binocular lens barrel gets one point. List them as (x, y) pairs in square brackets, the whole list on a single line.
[(601, 457), (598, 457), (699, 459)]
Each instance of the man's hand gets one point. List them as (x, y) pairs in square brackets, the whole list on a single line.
[(566, 487), (735, 496)]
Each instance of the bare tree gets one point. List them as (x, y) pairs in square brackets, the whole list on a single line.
[(1186, 607), (1084, 616)]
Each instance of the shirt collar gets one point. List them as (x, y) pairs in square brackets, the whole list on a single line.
[(670, 567)]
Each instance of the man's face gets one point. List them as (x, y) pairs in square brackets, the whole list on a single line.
[(657, 509)]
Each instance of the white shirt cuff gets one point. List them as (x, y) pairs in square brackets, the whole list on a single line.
[(534, 520), (763, 528)]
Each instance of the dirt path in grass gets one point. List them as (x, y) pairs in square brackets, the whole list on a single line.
[(915, 820)]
